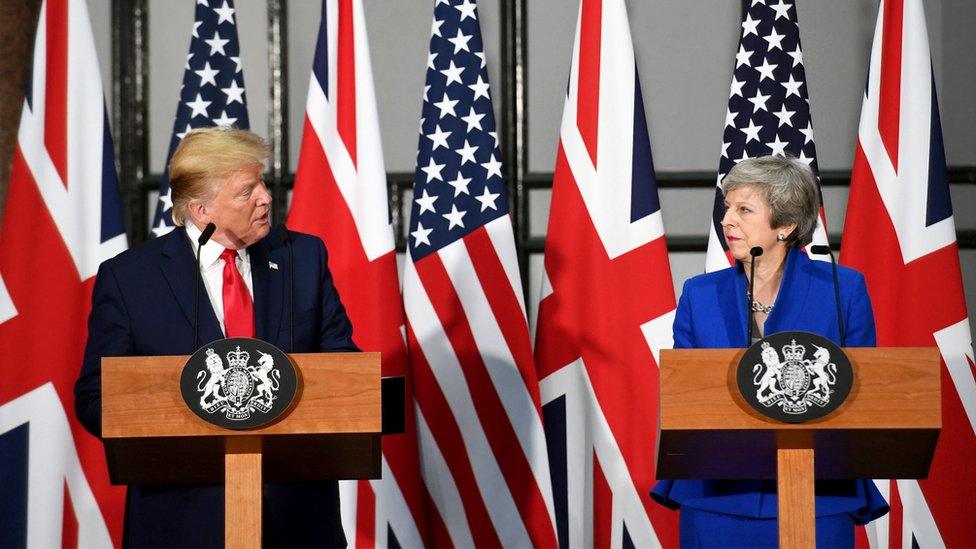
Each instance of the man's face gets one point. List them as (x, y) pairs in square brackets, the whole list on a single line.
[(240, 208)]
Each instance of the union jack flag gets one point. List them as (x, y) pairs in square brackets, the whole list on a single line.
[(607, 300), (212, 93), (63, 217), (769, 111), (900, 233), (340, 195), (482, 445)]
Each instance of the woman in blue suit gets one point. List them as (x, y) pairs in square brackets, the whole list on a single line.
[(771, 202)]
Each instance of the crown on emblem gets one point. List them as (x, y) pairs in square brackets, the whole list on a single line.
[(794, 351), (238, 358)]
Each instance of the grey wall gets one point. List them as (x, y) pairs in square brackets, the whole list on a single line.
[(684, 53)]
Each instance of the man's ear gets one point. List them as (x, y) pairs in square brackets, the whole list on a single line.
[(199, 212)]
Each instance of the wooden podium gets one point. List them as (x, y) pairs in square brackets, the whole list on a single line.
[(332, 432), (887, 428)]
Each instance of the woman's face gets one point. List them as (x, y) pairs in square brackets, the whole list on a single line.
[(747, 223)]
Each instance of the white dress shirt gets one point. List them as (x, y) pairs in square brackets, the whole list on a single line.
[(212, 269)]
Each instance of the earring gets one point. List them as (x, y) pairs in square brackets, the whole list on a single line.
[(781, 237)]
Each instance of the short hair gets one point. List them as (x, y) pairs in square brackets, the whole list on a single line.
[(205, 156), (789, 188)]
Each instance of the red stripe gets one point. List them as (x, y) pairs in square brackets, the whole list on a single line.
[(56, 87), (602, 506), (588, 93), (69, 521), (448, 438), (889, 97), (346, 79), (505, 307), (440, 536), (498, 429), (365, 515)]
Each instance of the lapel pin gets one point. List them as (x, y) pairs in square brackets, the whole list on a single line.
[(273, 265)]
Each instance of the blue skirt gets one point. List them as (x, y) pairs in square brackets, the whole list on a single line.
[(701, 528)]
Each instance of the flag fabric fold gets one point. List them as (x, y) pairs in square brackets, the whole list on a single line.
[(212, 93), (340, 195), (481, 440), (62, 218), (768, 112), (607, 300), (899, 231)]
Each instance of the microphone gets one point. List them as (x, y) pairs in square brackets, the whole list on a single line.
[(282, 234), (208, 231), (755, 252), (821, 249)]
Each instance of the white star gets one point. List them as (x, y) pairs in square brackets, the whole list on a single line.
[(782, 10), (792, 87), (493, 166), (203, 3), (199, 107), (745, 156), (217, 44), (167, 199), (226, 13), (460, 41), (196, 25), (439, 137), (420, 129), (473, 119), (430, 60), (759, 102), (494, 135), (742, 57), (433, 170), (186, 131), (234, 93), (188, 57), (467, 10), (807, 133), (435, 27), (766, 70), (426, 89), (420, 236), (467, 153), (460, 184), (237, 63), (454, 218), (453, 74), (803, 158), (481, 55), (797, 56), (779, 147), (774, 40), (736, 88), (224, 120), (480, 89), (752, 132), (730, 117), (785, 116), (755, 2), (749, 26), (446, 105), (426, 203), (207, 75), (725, 149), (487, 199), (162, 228)]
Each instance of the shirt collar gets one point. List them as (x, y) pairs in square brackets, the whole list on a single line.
[(210, 254)]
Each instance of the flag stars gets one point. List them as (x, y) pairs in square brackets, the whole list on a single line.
[(481, 55), (454, 217), (446, 106), (460, 42), (460, 184), (224, 120), (196, 27), (182, 134), (774, 40), (778, 147), (752, 131), (493, 166), (467, 153), (797, 56), (750, 25), (237, 64), (207, 75), (217, 44), (453, 73), (225, 13), (730, 117), (467, 9), (736, 87), (439, 138), (435, 28), (766, 70), (421, 235), (792, 87), (487, 199), (473, 119), (804, 158), (433, 170), (759, 102), (807, 133), (198, 107), (430, 60), (480, 89), (785, 116), (742, 57), (426, 203), (234, 93), (782, 10)]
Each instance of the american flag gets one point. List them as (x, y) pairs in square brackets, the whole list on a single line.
[(769, 110), (212, 93), (479, 421), (607, 300), (900, 233), (340, 195), (62, 218)]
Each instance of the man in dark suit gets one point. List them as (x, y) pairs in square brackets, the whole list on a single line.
[(143, 304)]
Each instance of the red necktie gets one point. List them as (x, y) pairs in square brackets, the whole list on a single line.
[(238, 308)]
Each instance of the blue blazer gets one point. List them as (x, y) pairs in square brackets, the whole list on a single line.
[(142, 304), (712, 314)]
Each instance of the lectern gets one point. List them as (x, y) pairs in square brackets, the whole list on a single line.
[(332, 432), (887, 428)]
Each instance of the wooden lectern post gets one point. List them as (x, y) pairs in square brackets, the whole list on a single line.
[(887, 428), (332, 432)]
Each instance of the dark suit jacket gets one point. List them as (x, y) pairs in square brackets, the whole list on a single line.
[(142, 304), (712, 314)]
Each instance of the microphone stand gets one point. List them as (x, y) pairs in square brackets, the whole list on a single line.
[(825, 250), (755, 252), (208, 231)]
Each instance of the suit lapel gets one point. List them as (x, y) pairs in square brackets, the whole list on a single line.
[(268, 289), (787, 314), (179, 265), (733, 297)]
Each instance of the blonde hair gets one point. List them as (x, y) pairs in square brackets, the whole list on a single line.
[(204, 157)]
